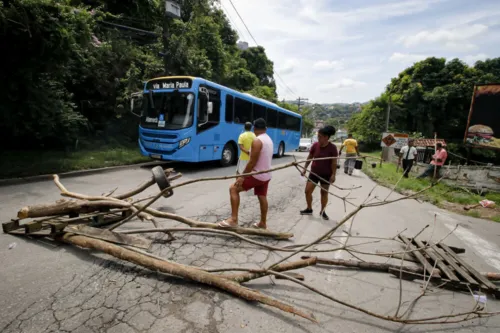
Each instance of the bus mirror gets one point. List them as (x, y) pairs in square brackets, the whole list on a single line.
[(210, 107), (134, 97)]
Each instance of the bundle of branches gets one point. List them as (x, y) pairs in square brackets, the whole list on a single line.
[(117, 243)]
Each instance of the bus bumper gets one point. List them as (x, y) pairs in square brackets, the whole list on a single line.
[(184, 154)]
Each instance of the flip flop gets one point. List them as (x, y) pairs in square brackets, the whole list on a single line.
[(256, 226), (224, 224)]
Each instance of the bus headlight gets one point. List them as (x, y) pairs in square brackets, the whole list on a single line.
[(184, 142)]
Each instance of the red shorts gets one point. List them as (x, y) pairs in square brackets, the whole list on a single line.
[(259, 187)]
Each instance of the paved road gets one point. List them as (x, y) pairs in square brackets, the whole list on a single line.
[(56, 288)]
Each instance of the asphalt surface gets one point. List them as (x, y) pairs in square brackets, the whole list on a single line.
[(47, 287)]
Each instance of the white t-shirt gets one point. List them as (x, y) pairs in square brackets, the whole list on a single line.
[(404, 152)]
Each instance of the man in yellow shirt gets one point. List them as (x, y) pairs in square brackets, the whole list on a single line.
[(245, 142), (351, 151)]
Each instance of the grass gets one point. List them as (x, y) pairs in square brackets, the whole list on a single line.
[(442, 195), (14, 164)]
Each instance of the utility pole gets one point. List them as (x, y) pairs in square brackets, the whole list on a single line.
[(386, 151), (388, 114), (299, 103), (300, 100), (172, 10)]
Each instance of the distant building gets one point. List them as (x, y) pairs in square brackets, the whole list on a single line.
[(340, 134), (242, 45)]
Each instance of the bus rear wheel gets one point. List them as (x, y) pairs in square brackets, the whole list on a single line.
[(228, 155), (281, 150)]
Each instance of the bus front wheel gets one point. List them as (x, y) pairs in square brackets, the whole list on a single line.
[(228, 155), (281, 150)]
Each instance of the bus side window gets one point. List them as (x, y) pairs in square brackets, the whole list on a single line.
[(272, 118), (242, 111), (214, 96), (282, 121), (259, 111), (229, 108)]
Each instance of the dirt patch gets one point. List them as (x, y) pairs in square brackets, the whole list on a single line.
[(479, 212)]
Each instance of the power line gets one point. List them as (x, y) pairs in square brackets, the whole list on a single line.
[(255, 41), (233, 23)]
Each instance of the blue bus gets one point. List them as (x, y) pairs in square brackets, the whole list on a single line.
[(190, 119)]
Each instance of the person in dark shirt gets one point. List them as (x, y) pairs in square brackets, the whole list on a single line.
[(322, 172)]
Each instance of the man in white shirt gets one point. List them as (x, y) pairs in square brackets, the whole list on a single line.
[(407, 154)]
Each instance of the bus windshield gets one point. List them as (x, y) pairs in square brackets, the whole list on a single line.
[(167, 110)]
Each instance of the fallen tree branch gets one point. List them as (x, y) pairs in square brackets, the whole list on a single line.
[(369, 266), (182, 271), (252, 275), (423, 321)]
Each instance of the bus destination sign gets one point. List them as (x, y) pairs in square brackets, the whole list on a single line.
[(169, 84)]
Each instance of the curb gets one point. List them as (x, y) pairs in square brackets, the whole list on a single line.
[(70, 174)]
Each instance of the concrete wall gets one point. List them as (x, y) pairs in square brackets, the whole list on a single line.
[(475, 177)]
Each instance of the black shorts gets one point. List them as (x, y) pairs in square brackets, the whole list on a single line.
[(316, 180)]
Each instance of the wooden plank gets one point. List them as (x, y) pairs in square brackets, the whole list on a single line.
[(443, 283), (110, 236), (10, 226), (57, 227), (476, 274), (32, 226), (433, 255), (457, 250), (427, 266), (452, 262)]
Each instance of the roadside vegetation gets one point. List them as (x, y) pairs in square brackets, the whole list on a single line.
[(441, 195), (14, 164)]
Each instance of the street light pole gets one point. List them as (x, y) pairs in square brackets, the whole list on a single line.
[(172, 10)]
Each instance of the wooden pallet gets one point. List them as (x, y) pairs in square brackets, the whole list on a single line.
[(54, 225), (454, 271), (80, 225)]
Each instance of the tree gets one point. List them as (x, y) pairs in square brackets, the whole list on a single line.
[(71, 71), (431, 96)]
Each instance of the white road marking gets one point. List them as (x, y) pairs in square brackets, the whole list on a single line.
[(488, 251)]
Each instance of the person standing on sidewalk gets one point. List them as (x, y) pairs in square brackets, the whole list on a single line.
[(261, 155), (438, 160), (245, 142), (407, 154), (351, 151), (323, 171)]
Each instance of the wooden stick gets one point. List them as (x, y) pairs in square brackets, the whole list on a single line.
[(370, 266), (245, 277), (175, 269)]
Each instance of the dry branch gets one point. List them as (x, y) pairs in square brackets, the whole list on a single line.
[(370, 266), (245, 277), (182, 271), (150, 212)]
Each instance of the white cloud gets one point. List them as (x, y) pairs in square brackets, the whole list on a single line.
[(406, 57), (308, 40), (288, 67), (341, 84), (471, 59), (456, 38), (327, 65)]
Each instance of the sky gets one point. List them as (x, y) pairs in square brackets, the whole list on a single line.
[(332, 51)]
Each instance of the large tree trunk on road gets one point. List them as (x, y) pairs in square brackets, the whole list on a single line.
[(65, 207), (185, 272)]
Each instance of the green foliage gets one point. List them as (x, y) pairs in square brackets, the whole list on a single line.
[(71, 73), (431, 96)]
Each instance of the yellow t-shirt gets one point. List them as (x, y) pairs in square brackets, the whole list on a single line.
[(246, 140), (350, 145)]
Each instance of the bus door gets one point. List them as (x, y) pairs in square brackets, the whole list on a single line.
[(208, 121)]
